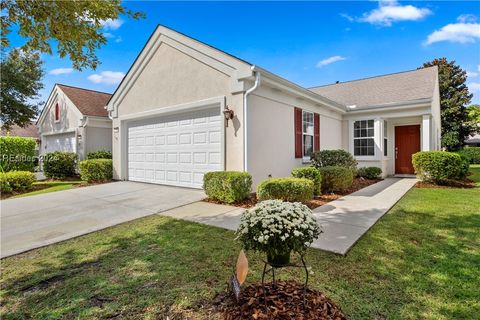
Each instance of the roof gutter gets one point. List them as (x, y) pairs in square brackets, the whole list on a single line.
[(245, 116), (109, 113), (294, 88)]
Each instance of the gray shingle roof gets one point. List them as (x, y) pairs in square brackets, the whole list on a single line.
[(392, 88)]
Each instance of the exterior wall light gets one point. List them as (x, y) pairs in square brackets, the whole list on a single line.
[(228, 114)]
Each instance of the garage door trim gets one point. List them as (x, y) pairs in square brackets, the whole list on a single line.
[(125, 121)]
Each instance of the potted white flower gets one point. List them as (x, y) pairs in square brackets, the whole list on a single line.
[(277, 228)]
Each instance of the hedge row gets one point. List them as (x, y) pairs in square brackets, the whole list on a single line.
[(16, 180), (473, 153), (17, 154)]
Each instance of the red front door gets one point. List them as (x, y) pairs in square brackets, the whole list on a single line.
[(407, 142)]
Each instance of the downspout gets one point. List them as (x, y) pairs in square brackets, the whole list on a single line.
[(245, 117)]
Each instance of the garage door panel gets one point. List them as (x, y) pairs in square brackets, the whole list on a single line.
[(64, 142), (176, 149)]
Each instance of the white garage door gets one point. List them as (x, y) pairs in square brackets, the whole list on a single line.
[(176, 149), (64, 142)]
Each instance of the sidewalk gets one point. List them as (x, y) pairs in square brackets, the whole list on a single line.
[(344, 221), (347, 219)]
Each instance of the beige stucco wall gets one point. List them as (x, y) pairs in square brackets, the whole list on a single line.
[(98, 139), (436, 119), (172, 78), (271, 142), (69, 116)]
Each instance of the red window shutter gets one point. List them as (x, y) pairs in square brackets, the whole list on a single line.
[(57, 112), (316, 132), (298, 133)]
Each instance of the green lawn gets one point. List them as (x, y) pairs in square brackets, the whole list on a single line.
[(420, 261), (50, 186)]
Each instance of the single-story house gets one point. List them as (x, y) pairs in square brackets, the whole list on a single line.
[(28, 131), (473, 140), (185, 108), (75, 120)]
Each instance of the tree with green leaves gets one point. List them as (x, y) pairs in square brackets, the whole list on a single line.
[(75, 26), (21, 82), (473, 112), (454, 97)]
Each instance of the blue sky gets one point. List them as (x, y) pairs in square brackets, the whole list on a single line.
[(310, 43)]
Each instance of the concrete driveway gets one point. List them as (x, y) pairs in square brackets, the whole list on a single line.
[(35, 221)]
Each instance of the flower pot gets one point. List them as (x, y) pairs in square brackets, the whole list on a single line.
[(279, 259)]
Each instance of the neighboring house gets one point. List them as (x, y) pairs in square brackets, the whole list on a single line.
[(29, 131), (75, 120), (473, 140), (169, 116)]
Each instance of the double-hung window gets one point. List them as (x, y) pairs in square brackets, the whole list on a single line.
[(385, 139), (363, 138), (307, 134)]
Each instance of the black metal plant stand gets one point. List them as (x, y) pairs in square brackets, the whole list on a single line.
[(270, 267)]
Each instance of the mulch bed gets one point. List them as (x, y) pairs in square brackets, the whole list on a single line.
[(284, 300), (35, 187), (465, 184), (43, 185), (358, 183)]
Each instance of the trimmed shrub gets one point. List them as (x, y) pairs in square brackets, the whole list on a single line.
[(312, 174), (96, 170), (4, 185), (100, 154), (473, 153), (329, 158), (17, 153), (16, 180), (439, 166), (286, 189), (464, 166), (369, 172), (227, 186), (58, 165), (336, 178)]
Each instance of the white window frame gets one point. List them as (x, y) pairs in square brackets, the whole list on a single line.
[(304, 157), (385, 139), (366, 137)]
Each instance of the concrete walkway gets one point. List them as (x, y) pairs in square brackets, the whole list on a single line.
[(344, 221), (347, 219), (35, 221)]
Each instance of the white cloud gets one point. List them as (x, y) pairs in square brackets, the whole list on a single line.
[(107, 77), (466, 30), (330, 60), (473, 86), (472, 74), (467, 18), (108, 35), (391, 11), (58, 71), (348, 17), (110, 24), (118, 39)]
